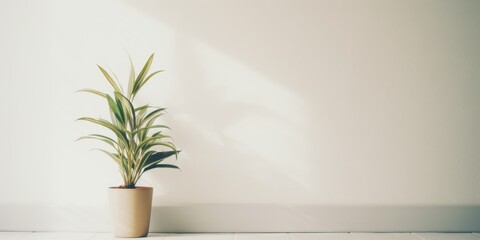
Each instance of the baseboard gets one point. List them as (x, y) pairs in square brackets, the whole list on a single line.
[(252, 218)]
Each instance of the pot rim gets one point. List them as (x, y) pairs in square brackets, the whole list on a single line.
[(136, 188)]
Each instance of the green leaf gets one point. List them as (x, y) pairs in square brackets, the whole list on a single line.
[(144, 107), (102, 138), (141, 108), (124, 164), (119, 132), (148, 78), (152, 159), (93, 91), (116, 78), (121, 109), (149, 142), (110, 79), (142, 75), (131, 80), (152, 116), (150, 127), (141, 111), (116, 110), (145, 156), (160, 166), (129, 109), (111, 155), (165, 144)]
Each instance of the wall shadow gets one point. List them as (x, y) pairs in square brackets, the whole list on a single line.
[(361, 107)]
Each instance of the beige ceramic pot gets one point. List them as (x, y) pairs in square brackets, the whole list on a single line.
[(130, 210)]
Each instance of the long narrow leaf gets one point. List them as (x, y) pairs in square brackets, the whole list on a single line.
[(148, 78), (149, 141), (164, 144), (131, 80), (110, 79), (109, 141), (150, 127), (161, 166), (89, 90), (111, 155), (119, 132), (153, 115), (159, 156), (129, 109), (116, 78), (146, 106), (143, 132), (142, 75), (116, 110), (121, 110)]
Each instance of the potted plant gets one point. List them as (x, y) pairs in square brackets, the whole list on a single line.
[(137, 146)]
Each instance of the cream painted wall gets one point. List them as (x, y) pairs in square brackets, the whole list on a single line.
[(288, 103)]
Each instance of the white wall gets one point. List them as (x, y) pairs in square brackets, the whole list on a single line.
[(274, 103)]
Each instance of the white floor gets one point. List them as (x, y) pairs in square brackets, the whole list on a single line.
[(245, 236)]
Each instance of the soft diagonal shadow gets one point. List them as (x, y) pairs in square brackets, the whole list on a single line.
[(214, 158)]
